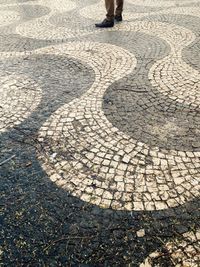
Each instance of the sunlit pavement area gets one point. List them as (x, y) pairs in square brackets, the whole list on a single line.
[(99, 134)]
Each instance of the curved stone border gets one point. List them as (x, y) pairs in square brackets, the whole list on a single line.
[(90, 12), (157, 3), (14, 3), (191, 11), (19, 97), (171, 75), (119, 177), (58, 5), (55, 5), (41, 23), (182, 253), (41, 28), (8, 17), (106, 167)]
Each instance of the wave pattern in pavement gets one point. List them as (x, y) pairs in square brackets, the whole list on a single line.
[(111, 117)]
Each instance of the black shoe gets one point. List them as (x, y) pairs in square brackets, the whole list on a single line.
[(118, 18), (105, 24)]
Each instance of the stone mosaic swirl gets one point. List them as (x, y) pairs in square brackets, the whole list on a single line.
[(182, 252), (19, 98), (14, 2), (165, 3), (106, 167), (90, 12), (45, 27), (42, 28), (86, 110), (55, 5), (8, 17), (100, 133), (58, 5)]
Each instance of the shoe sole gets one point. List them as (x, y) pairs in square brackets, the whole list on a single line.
[(104, 26)]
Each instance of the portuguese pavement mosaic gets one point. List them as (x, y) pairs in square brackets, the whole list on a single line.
[(99, 134)]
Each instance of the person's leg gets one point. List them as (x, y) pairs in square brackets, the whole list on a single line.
[(118, 10), (110, 6), (109, 21), (119, 7)]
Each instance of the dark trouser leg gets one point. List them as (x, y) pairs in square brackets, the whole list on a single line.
[(119, 7), (110, 9)]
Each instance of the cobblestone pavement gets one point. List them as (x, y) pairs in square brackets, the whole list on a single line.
[(99, 134)]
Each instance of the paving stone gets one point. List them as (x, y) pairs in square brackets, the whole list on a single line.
[(99, 134)]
